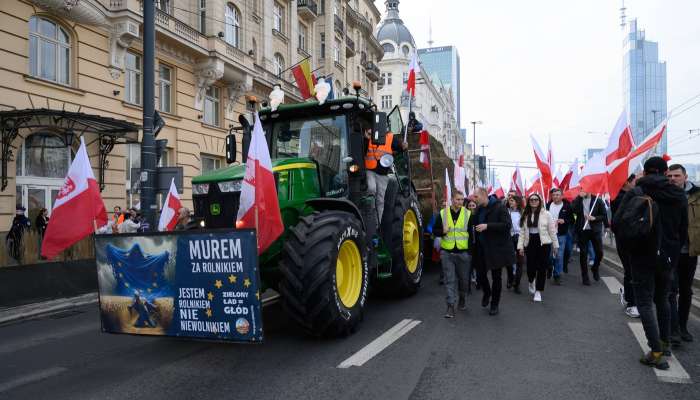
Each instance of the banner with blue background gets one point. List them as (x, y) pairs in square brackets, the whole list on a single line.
[(198, 284)]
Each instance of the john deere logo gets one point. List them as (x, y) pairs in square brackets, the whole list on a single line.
[(215, 209)]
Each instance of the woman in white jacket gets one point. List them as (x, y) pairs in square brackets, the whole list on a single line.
[(538, 239)]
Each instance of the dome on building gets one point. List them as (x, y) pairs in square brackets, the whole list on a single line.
[(392, 27)]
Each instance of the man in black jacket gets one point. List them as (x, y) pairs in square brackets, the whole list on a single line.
[(653, 259), (590, 213), (494, 249), (560, 210), (627, 296)]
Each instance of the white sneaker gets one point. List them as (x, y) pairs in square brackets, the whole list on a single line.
[(532, 287), (538, 296), (632, 312), (622, 297)]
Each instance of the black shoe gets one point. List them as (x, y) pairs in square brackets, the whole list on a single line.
[(549, 273), (566, 269), (493, 311), (675, 340), (462, 303), (665, 348), (450, 313), (509, 285), (596, 275), (516, 289), (586, 282), (656, 360), (557, 281), (485, 300), (686, 336), (441, 282)]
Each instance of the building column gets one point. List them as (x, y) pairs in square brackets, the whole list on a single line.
[(266, 43)]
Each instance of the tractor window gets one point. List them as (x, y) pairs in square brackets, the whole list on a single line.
[(395, 121), (321, 139)]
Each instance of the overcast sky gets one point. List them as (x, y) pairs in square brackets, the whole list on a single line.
[(554, 67)]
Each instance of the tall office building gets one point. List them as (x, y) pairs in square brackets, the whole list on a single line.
[(644, 84), (444, 62)]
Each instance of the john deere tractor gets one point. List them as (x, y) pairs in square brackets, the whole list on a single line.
[(335, 246)]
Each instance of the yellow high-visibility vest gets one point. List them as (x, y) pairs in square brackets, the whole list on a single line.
[(458, 234)]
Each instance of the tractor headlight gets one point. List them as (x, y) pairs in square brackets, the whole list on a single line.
[(230, 186), (200, 188)]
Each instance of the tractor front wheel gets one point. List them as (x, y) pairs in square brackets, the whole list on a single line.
[(324, 269)]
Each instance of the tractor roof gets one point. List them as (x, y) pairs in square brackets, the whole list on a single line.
[(310, 105)]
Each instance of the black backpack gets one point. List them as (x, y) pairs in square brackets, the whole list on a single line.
[(636, 218)]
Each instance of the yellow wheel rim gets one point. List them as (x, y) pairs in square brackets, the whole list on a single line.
[(348, 273), (411, 241)]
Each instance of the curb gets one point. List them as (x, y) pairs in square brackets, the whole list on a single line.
[(695, 307), (14, 314)]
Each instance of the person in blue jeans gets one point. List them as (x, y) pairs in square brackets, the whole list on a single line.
[(560, 210)]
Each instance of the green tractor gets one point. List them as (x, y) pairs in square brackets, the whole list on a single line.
[(335, 247)]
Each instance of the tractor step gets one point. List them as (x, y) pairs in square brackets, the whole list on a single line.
[(384, 275)]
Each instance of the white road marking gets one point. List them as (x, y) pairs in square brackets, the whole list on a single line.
[(377, 345), (676, 373), (29, 378), (612, 283)]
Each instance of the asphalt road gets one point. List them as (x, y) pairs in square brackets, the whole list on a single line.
[(577, 344)]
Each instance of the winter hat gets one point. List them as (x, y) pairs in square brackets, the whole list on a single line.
[(655, 165)]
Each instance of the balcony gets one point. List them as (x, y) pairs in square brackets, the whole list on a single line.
[(349, 47), (372, 71), (357, 19), (338, 24), (307, 9)]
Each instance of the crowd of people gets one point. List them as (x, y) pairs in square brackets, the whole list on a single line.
[(655, 221), (132, 221)]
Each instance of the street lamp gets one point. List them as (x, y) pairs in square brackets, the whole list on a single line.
[(474, 123)]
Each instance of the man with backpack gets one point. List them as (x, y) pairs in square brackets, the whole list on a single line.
[(653, 221)]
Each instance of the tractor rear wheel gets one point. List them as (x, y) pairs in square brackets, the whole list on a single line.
[(324, 269), (407, 247)]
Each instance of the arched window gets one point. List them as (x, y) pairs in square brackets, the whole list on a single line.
[(49, 50), (388, 48), (279, 63), (233, 25), (405, 50)]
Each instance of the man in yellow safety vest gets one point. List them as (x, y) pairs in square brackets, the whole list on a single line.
[(453, 229)]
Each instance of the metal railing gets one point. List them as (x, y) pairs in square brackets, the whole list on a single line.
[(308, 4), (339, 25)]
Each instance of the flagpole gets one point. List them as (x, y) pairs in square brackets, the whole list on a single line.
[(590, 213)]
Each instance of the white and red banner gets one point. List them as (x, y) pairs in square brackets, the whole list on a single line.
[(459, 177), (171, 209), (259, 206), (594, 176), (413, 70), (516, 182), (497, 190), (544, 167), (78, 209), (424, 141)]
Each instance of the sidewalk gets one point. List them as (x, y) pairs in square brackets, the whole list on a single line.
[(611, 259)]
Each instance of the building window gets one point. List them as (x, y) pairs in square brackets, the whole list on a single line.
[(212, 105), (323, 45), (210, 163), (49, 51), (164, 5), (322, 7), (336, 51), (277, 17), (279, 64), (233, 26), (202, 16), (405, 77), (405, 50), (386, 102), (132, 78), (388, 48), (133, 161), (302, 36), (386, 77), (165, 89), (336, 7)]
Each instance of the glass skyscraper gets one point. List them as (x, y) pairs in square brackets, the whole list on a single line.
[(644, 84), (444, 62)]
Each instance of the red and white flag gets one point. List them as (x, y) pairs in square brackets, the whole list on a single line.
[(594, 176), (413, 70), (516, 182), (78, 210), (424, 141), (497, 190), (536, 186), (171, 209), (259, 207), (544, 167), (460, 177), (621, 142)]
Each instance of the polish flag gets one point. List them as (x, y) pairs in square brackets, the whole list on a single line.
[(536, 186), (621, 142), (516, 182), (544, 167), (565, 181), (459, 176), (594, 176), (259, 206), (497, 190), (171, 209), (424, 141), (78, 209), (413, 70)]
